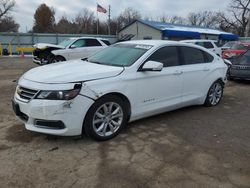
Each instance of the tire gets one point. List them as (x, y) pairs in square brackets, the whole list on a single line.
[(214, 94), (51, 58), (57, 59), (106, 118)]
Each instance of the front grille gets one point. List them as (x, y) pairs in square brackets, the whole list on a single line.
[(241, 67), (25, 93)]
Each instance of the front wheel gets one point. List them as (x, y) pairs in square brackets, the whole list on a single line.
[(214, 94), (106, 118), (57, 59)]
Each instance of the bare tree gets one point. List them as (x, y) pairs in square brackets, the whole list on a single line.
[(65, 26), (239, 16), (204, 19), (8, 24), (128, 15), (5, 7), (172, 19), (84, 21)]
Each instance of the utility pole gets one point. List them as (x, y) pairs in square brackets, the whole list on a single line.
[(109, 20)]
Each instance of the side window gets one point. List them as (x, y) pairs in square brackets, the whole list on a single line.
[(92, 42), (79, 43), (208, 58), (192, 55), (167, 55), (208, 45)]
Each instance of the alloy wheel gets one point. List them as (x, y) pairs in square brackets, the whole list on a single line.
[(215, 94), (108, 119)]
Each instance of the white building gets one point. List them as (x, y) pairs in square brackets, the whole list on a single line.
[(142, 29)]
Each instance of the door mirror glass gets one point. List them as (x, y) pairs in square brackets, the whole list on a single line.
[(152, 66)]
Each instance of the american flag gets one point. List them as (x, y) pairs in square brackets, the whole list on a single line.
[(101, 9)]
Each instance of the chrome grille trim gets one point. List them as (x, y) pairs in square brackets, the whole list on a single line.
[(26, 93)]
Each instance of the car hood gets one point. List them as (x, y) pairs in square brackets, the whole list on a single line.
[(71, 71), (47, 45)]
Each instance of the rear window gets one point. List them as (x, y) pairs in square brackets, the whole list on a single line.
[(106, 42), (207, 45), (239, 47)]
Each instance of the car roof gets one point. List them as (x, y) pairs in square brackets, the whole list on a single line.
[(199, 40), (159, 43), (87, 38), (152, 42)]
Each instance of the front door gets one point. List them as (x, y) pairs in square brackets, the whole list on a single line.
[(159, 91)]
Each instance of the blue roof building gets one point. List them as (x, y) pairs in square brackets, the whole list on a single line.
[(143, 29)]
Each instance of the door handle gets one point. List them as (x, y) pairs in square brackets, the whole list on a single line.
[(206, 69), (177, 72)]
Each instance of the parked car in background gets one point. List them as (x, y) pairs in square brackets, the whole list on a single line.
[(124, 82), (228, 45), (236, 49), (240, 68), (212, 45), (72, 48)]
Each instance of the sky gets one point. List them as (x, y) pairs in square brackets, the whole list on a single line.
[(25, 9)]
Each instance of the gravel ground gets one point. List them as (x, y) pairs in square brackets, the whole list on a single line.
[(192, 147)]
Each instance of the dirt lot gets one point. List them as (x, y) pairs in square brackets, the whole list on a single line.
[(191, 147)]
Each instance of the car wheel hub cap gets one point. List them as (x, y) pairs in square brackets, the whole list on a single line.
[(215, 94), (107, 119)]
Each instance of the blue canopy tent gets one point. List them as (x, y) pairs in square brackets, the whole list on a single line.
[(228, 37), (181, 34)]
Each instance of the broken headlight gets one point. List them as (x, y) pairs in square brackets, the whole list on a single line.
[(59, 95)]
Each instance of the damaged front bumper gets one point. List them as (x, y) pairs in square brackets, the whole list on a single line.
[(64, 118), (38, 61)]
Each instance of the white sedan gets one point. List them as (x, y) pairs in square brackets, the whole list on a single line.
[(71, 48), (122, 83), (79, 48), (212, 45)]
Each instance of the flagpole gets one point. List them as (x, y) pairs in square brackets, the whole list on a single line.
[(97, 24), (109, 14)]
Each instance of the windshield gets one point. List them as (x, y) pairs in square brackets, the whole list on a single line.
[(245, 58), (66, 42), (120, 54)]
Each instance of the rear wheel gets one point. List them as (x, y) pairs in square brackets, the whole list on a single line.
[(214, 94), (106, 118)]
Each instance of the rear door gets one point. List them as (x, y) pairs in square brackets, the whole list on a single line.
[(93, 46), (197, 66)]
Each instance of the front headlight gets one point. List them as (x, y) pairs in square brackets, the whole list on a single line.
[(59, 95)]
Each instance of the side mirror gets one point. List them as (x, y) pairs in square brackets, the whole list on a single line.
[(73, 46), (152, 66)]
